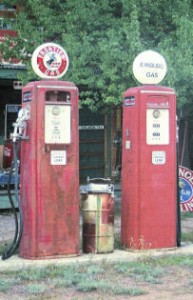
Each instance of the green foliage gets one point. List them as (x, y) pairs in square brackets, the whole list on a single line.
[(177, 48), (102, 39)]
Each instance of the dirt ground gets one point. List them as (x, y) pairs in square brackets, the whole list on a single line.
[(175, 284)]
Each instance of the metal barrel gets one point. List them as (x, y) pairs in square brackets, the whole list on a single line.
[(98, 218)]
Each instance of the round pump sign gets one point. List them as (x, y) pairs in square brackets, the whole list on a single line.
[(50, 60), (149, 67)]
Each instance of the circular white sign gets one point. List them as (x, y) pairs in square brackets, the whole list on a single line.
[(50, 60), (149, 67)]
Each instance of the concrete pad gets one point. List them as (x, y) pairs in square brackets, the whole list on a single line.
[(16, 262)]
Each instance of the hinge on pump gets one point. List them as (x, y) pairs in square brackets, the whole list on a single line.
[(20, 125)]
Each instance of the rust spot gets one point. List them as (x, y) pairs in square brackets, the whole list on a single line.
[(89, 240), (89, 244), (89, 229)]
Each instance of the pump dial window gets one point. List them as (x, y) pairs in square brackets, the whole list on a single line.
[(58, 96), (56, 110), (156, 113)]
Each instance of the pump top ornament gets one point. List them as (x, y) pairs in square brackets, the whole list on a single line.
[(149, 67), (50, 61)]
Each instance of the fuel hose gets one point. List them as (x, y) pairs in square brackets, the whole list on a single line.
[(10, 250)]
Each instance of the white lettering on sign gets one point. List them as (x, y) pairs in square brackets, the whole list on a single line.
[(164, 104), (158, 157), (187, 174), (149, 67), (58, 158), (129, 101)]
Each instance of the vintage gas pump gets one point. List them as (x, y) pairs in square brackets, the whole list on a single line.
[(49, 159), (149, 198)]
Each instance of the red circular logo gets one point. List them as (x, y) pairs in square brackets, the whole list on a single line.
[(50, 61)]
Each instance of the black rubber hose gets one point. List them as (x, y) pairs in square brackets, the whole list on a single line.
[(17, 181), (18, 226), (6, 251)]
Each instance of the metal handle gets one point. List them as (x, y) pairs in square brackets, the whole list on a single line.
[(107, 180)]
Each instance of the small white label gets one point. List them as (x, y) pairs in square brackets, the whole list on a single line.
[(158, 157), (128, 144), (58, 158)]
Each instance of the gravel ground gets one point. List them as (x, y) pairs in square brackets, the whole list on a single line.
[(7, 225)]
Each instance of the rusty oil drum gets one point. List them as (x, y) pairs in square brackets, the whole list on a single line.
[(98, 218)]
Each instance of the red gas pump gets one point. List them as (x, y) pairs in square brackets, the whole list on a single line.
[(49, 161), (149, 166)]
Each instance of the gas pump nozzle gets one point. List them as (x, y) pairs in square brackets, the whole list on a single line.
[(20, 125)]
